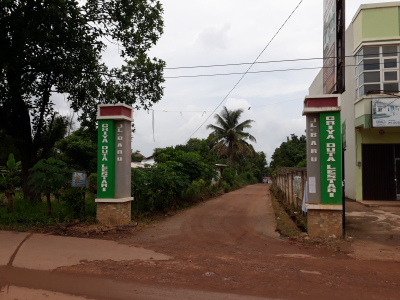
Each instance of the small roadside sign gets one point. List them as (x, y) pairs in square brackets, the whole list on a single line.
[(79, 179)]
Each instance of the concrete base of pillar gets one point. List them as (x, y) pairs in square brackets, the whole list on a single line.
[(324, 223), (117, 212)]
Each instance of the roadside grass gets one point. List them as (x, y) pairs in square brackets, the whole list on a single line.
[(288, 227), (284, 224), (27, 215), (32, 216)]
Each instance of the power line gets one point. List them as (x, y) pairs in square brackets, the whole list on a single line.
[(248, 68), (272, 61), (266, 71), (276, 103), (164, 110), (241, 64), (255, 72), (206, 111)]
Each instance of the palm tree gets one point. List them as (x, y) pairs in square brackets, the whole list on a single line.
[(230, 135)]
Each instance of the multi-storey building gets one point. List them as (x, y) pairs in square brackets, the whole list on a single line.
[(371, 120)]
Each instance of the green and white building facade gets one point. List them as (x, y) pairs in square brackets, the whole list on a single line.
[(371, 120)]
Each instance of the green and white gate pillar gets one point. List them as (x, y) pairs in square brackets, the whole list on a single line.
[(114, 163), (324, 165)]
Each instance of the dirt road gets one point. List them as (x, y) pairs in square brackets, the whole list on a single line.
[(224, 248)]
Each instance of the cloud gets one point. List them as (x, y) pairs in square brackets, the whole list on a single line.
[(215, 38), (205, 32), (233, 103)]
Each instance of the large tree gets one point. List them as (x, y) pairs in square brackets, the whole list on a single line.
[(78, 150), (52, 47), (291, 153), (255, 163), (230, 136)]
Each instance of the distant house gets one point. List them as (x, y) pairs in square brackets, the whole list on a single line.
[(137, 157), (136, 164), (220, 169), (148, 160), (145, 161), (267, 180)]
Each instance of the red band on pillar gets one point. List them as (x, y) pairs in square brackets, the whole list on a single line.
[(321, 102), (115, 111)]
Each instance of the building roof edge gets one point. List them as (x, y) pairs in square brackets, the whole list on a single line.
[(374, 5)]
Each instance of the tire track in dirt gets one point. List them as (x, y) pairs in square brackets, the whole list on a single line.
[(229, 244)]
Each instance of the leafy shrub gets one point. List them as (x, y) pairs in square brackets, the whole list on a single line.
[(28, 214), (214, 188), (9, 179), (192, 191), (227, 187), (73, 198), (228, 176), (249, 176), (157, 187), (203, 186), (25, 213), (49, 177), (92, 181)]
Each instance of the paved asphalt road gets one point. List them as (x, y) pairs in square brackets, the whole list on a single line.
[(224, 248)]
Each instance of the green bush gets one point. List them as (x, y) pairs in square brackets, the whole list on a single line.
[(25, 213), (227, 187), (178, 176), (157, 187), (249, 176), (214, 188), (28, 214), (92, 182), (192, 191), (228, 176), (49, 177), (10, 179), (74, 200)]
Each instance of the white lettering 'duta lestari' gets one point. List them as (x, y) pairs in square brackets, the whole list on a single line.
[(104, 152), (331, 151), (331, 176), (104, 175)]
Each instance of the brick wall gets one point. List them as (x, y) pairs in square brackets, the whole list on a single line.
[(114, 212), (324, 223)]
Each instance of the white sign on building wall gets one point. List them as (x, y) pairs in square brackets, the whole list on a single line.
[(386, 112)]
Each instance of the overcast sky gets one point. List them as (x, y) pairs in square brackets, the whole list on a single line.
[(206, 32)]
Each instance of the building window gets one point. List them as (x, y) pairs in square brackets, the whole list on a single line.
[(377, 68)]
